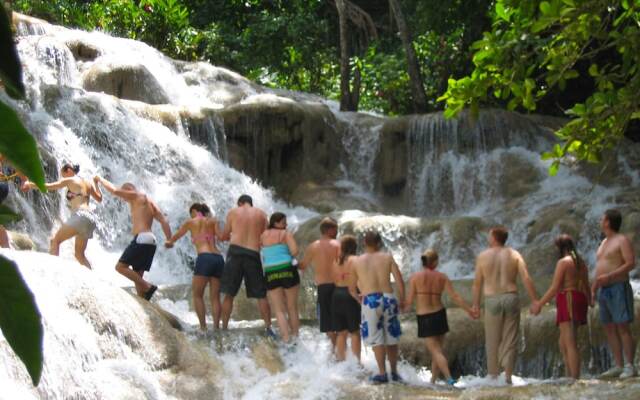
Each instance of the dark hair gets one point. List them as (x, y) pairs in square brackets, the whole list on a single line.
[(567, 247), (201, 208), (74, 167), (348, 247), (275, 218), (326, 224), (372, 239), (245, 199), (500, 233), (615, 219), (429, 257)]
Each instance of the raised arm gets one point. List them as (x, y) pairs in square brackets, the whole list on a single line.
[(397, 275), (94, 191), (526, 279), (448, 287), (561, 266), (176, 236), (127, 195)]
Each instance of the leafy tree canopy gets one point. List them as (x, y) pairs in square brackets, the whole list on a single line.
[(537, 49)]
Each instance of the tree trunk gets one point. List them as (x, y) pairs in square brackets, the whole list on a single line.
[(346, 103), (417, 88)]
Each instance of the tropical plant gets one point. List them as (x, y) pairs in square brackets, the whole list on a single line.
[(19, 316), (538, 48)]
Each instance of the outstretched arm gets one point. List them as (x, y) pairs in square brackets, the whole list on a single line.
[(526, 279), (353, 285), (225, 235), (477, 288), (159, 216), (448, 287), (176, 236), (94, 191), (411, 295), (59, 184), (553, 289), (308, 256), (127, 195)]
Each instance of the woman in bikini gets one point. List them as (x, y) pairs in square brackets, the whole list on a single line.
[(426, 287), (345, 316), (570, 286), (278, 249), (209, 263), (82, 221)]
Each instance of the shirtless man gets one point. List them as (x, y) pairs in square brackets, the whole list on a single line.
[(380, 325), (614, 260), (427, 287), (322, 254), (139, 254), (497, 270), (245, 223)]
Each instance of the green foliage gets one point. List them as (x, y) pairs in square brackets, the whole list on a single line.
[(536, 48), (19, 316)]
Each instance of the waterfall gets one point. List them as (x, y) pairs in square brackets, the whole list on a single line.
[(176, 153)]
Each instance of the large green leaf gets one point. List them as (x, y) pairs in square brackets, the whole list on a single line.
[(19, 147), (10, 68), (20, 319), (6, 215)]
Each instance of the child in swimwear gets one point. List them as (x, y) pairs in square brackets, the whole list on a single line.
[(426, 287), (570, 286)]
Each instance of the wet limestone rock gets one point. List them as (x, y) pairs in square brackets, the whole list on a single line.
[(327, 198), (282, 143), (21, 241), (125, 81)]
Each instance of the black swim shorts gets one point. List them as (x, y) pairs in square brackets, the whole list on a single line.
[(325, 293), (283, 277), (138, 255), (243, 263), (433, 324), (210, 265), (345, 311)]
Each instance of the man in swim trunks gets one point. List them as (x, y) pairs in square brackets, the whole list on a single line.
[(245, 223), (139, 254), (7, 175), (322, 254), (380, 326), (497, 269), (615, 258)]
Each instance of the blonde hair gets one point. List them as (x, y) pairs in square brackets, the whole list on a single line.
[(429, 257)]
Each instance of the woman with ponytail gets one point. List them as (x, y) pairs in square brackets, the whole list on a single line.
[(209, 263), (82, 221), (570, 286)]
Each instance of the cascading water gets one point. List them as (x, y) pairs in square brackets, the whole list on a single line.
[(154, 147)]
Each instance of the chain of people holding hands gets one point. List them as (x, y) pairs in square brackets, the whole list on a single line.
[(356, 300)]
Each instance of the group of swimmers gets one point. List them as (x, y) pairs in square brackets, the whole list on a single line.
[(355, 293)]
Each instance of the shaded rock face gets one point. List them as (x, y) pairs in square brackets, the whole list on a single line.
[(131, 82), (282, 143)]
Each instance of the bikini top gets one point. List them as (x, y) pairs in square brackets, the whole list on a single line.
[(203, 237), (72, 195), (276, 254)]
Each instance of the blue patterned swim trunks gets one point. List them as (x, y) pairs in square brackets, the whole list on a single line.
[(380, 324)]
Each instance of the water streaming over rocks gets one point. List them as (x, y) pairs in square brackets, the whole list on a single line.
[(182, 131)]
